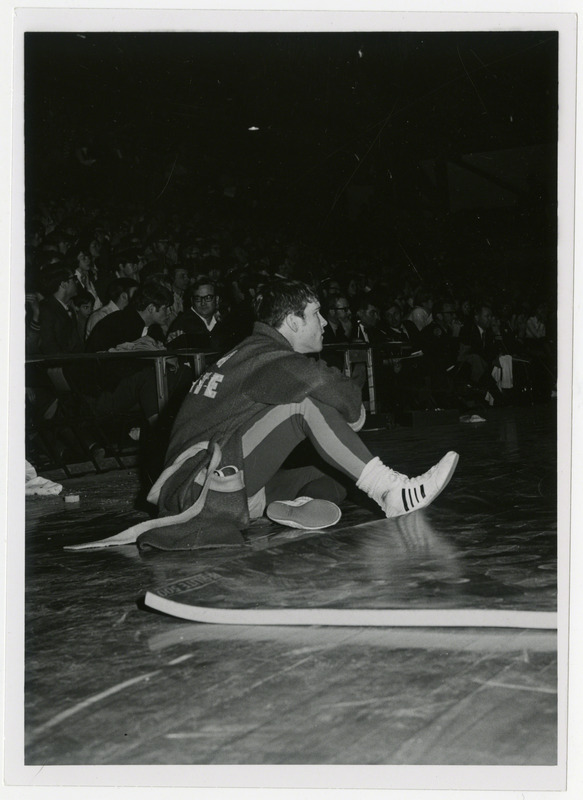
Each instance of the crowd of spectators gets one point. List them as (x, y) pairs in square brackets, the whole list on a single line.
[(100, 280)]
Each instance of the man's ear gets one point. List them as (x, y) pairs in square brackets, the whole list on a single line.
[(292, 321)]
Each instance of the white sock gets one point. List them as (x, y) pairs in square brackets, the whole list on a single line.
[(376, 479)]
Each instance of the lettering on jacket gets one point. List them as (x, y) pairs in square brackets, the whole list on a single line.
[(209, 381)]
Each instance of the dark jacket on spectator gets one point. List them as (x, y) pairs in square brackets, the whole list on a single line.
[(119, 327), (189, 330), (58, 329), (487, 347)]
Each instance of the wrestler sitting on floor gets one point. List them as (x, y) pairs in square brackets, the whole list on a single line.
[(245, 415)]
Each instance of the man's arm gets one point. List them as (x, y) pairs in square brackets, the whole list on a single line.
[(293, 377)]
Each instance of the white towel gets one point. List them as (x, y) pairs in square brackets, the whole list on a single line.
[(503, 374), (36, 485)]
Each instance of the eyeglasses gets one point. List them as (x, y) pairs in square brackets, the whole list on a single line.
[(342, 308), (206, 298)]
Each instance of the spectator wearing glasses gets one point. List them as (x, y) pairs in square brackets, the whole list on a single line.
[(339, 317), (199, 326)]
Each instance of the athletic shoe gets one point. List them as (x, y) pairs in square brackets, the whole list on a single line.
[(397, 494), (305, 513)]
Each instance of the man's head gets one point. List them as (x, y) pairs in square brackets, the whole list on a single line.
[(83, 259), (128, 263), (394, 316), (180, 278), (445, 314), (330, 288), (202, 297), (293, 309), (338, 309), (121, 290), (483, 315), (153, 302), (59, 281), (369, 314), (83, 302)]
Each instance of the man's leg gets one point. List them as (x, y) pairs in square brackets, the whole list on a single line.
[(272, 435)]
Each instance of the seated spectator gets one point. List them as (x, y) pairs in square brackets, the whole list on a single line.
[(138, 324), (85, 273), (125, 384), (535, 324), (128, 263), (368, 317), (440, 344), (58, 327), (180, 280), (32, 298), (83, 305), (423, 304), (328, 290), (241, 286), (479, 349), (199, 327), (119, 293), (399, 329), (339, 317)]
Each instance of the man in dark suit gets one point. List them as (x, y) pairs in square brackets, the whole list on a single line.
[(199, 325), (399, 329), (479, 350), (478, 345), (339, 318), (58, 327)]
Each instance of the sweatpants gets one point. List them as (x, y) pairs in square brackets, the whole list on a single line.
[(270, 437)]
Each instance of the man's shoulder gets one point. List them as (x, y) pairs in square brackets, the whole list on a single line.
[(187, 319)]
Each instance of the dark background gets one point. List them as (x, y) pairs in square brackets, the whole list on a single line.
[(438, 148)]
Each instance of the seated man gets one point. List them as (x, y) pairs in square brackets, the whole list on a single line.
[(126, 383), (399, 329), (198, 326), (58, 327), (339, 319), (142, 319), (479, 348), (440, 344), (119, 292), (246, 414)]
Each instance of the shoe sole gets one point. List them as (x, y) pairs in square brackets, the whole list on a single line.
[(310, 516), (449, 476)]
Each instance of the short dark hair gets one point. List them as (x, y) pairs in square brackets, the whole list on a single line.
[(129, 255), (203, 280), (152, 293), (278, 298), (117, 287), (173, 269), (82, 297), (53, 275)]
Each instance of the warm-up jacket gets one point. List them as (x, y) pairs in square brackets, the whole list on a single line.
[(262, 371), (206, 437)]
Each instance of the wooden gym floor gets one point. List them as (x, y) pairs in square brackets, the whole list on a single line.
[(108, 682)]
